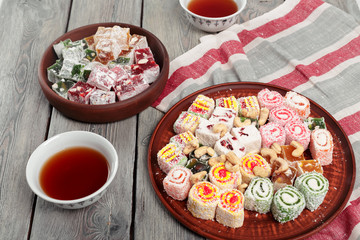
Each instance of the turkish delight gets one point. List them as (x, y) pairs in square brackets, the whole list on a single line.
[(229, 143), (228, 102), (249, 107), (205, 134), (223, 115), (99, 97), (102, 78), (186, 122), (80, 92), (249, 136), (202, 106)]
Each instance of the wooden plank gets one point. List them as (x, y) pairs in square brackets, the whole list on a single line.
[(24, 112), (152, 220), (110, 217)]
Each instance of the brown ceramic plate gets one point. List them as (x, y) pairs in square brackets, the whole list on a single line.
[(109, 112), (341, 175)]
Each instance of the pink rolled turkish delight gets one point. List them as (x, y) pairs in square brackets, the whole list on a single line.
[(99, 97), (272, 133), (80, 92), (177, 182), (102, 78)]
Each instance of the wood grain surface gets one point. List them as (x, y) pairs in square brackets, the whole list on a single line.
[(130, 209)]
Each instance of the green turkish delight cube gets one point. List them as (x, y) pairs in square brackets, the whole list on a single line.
[(61, 87), (54, 70)]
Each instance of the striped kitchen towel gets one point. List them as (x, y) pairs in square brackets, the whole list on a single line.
[(308, 46)]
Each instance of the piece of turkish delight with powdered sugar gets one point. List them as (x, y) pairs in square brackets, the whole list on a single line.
[(229, 143), (186, 122), (130, 87), (61, 87), (143, 53), (121, 74), (202, 106), (80, 92), (149, 69), (99, 97), (102, 78), (138, 41), (205, 134), (109, 42), (223, 115), (249, 136)]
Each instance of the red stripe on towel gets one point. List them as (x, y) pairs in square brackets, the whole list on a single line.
[(302, 73), (343, 224), (350, 124), (295, 16), (198, 68)]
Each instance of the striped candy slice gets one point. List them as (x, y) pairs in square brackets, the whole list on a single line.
[(321, 146), (202, 106), (228, 102), (259, 195), (314, 186), (186, 122), (287, 204), (230, 209), (203, 199), (270, 99), (182, 139), (169, 156)]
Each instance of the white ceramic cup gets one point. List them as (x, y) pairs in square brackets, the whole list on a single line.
[(208, 24), (63, 141)]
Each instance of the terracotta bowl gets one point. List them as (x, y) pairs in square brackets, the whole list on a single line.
[(109, 112)]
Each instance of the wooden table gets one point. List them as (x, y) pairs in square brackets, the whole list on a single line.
[(130, 209)]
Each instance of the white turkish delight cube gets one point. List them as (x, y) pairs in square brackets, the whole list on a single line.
[(80, 92), (223, 115), (102, 78), (100, 97), (205, 134), (249, 136), (138, 41), (229, 143)]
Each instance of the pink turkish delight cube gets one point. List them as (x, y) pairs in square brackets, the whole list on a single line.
[(80, 92), (99, 97), (121, 74), (149, 69), (143, 53), (102, 78), (130, 87)]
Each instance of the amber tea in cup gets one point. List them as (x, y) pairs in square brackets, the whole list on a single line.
[(213, 8), (74, 173)]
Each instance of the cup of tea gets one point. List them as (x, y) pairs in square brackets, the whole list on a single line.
[(212, 15), (72, 169)]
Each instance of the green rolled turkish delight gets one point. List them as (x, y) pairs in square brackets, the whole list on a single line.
[(314, 186)]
